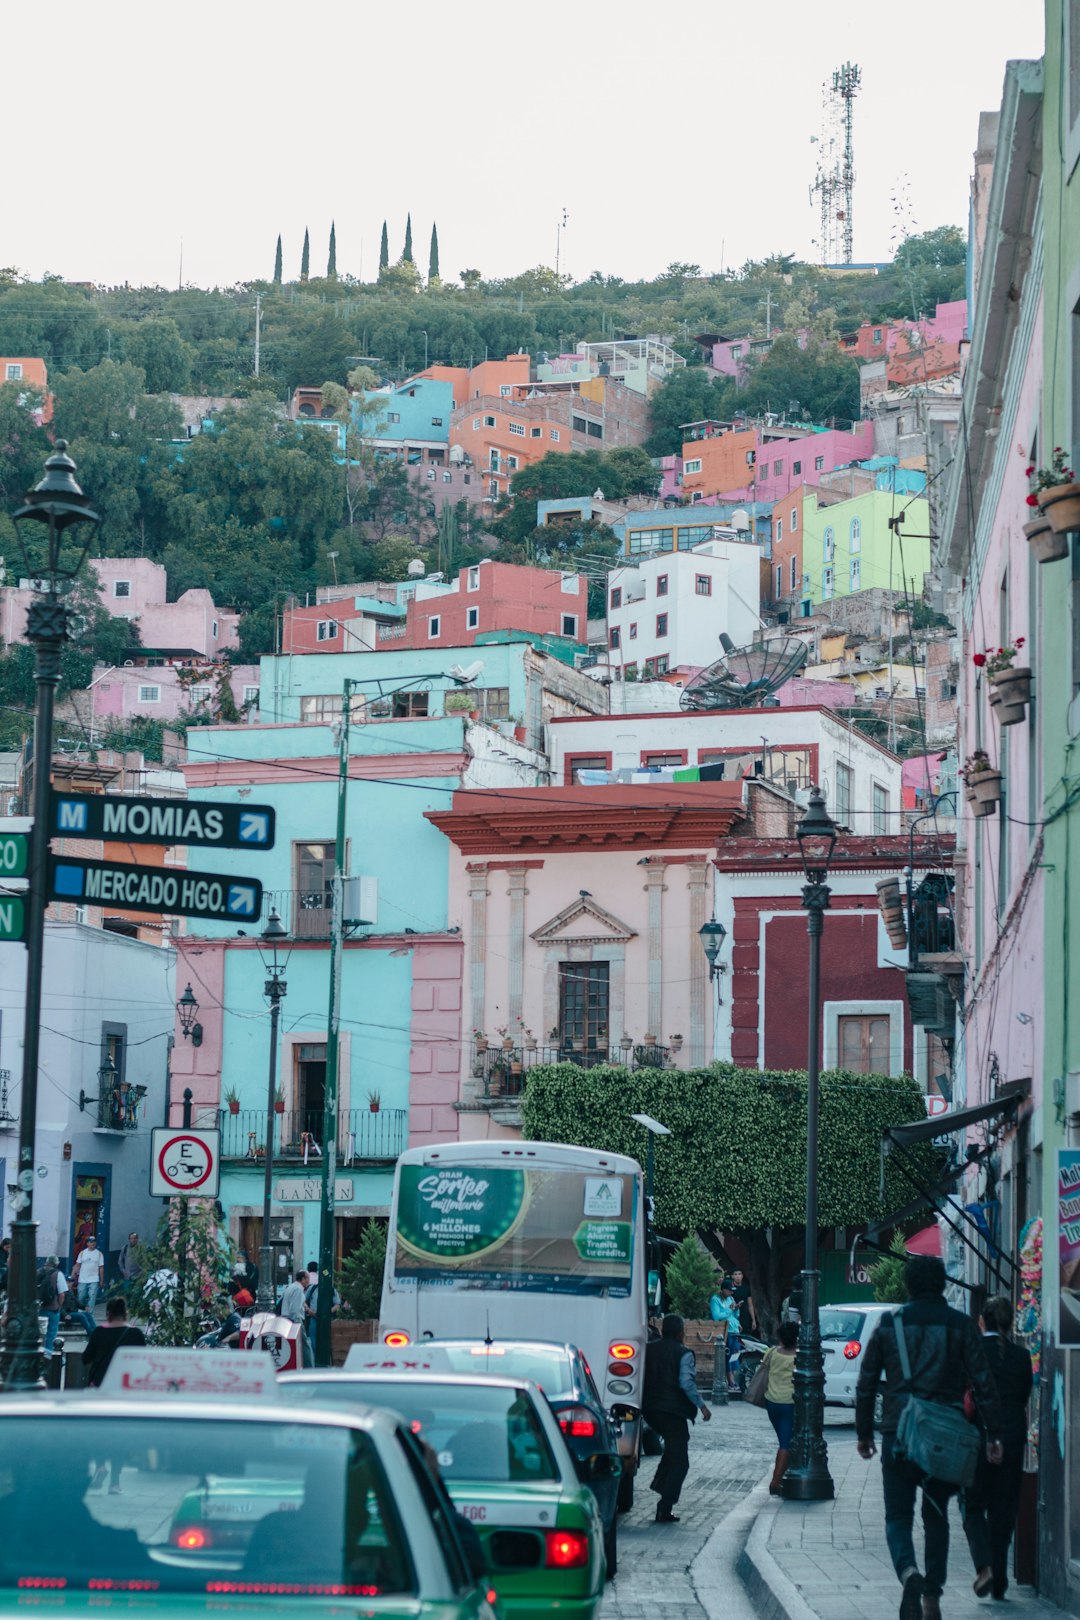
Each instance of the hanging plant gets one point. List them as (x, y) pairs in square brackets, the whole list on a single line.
[(1009, 685), (1056, 493), (982, 781)]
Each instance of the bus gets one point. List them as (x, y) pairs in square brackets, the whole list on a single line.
[(525, 1240)]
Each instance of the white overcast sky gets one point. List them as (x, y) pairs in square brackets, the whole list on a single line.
[(667, 131)]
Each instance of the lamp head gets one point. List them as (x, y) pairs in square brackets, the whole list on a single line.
[(816, 833), (712, 936), (187, 1009), (58, 505)]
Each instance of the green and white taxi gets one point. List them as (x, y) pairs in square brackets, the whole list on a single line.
[(506, 1465)]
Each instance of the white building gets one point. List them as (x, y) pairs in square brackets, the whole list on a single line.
[(793, 748), (668, 611)]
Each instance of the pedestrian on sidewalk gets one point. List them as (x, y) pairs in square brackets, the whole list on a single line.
[(130, 1262), (991, 1503), (88, 1269), (722, 1308), (105, 1341), (946, 1357), (293, 1310), (52, 1291), (779, 1365), (670, 1403), (744, 1301)]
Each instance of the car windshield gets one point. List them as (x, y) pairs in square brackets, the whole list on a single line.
[(144, 1505), (837, 1324), (548, 1367), (477, 1433)]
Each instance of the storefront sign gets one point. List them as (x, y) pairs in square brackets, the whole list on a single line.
[(1069, 1244), (308, 1190)]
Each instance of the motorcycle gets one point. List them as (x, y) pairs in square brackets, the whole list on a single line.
[(743, 1362)]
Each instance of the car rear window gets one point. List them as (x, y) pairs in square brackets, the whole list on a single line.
[(145, 1505), (836, 1324), (549, 1369)]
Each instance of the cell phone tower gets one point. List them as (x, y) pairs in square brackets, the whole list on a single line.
[(835, 182)]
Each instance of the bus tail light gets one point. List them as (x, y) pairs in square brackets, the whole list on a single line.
[(622, 1352), (566, 1549), (578, 1423), (396, 1339)]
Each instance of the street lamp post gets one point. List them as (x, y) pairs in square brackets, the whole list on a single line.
[(274, 991), (653, 1129), (808, 1479), (53, 554)]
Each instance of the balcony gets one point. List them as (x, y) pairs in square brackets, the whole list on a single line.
[(118, 1107), (298, 1135), (504, 1069), (305, 913)]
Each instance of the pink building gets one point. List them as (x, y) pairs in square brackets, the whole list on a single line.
[(716, 464), (136, 588), (494, 596), (159, 693)]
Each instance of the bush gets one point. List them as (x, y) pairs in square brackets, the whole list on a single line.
[(361, 1278), (887, 1274), (690, 1279)]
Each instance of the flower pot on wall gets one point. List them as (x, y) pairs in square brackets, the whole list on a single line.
[(279, 1108), (234, 1107), (1046, 546), (1010, 694), (1061, 504), (984, 792)]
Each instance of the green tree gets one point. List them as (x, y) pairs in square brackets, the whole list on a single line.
[(24, 444), (407, 254), (331, 262), (887, 1274), (818, 379), (433, 258), (688, 395), (690, 1279), (157, 348), (305, 257), (384, 250), (361, 1276), (277, 262), (207, 1255), (930, 269)]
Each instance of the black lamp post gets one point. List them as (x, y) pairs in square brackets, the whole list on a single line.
[(187, 1009), (808, 1478), (56, 526), (274, 991)]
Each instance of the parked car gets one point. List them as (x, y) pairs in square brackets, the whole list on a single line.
[(845, 1333)]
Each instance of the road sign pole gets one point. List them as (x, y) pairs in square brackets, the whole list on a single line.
[(182, 1232)]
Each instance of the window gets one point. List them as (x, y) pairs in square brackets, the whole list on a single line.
[(251, 694), (323, 708), (493, 460), (410, 706), (643, 540), (779, 579), (569, 624), (691, 467), (596, 430), (472, 618), (436, 421), (517, 429), (447, 478), (794, 524), (434, 626), (863, 1044), (855, 534), (777, 467), (877, 334), (576, 763), (664, 762), (489, 421), (511, 462), (553, 434), (779, 528), (702, 585), (630, 672), (13, 371), (473, 582), (633, 632), (826, 583), (736, 350), (199, 694), (660, 664), (393, 416), (314, 905), (505, 390), (614, 638), (794, 573), (616, 596), (880, 799), (661, 624), (493, 702), (476, 424), (149, 694), (661, 584), (796, 467), (819, 463), (121, 587), (536, 433), (856, 574), (828, 545), (114, 1050), (326, 630), (578, 424), (843, 793), (583, 1007)]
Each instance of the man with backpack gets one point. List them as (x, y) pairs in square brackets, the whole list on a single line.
[(52, 1288), (929, 1355)]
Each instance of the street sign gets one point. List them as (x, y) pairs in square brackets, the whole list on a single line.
[(216, 896), (184, 1161), (12, 918), (160, 821), (14, 855)]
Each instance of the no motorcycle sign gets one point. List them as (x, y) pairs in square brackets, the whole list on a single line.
[(184, 1161)]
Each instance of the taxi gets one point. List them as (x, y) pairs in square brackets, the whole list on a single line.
[(187, 1503), (505, 1462)]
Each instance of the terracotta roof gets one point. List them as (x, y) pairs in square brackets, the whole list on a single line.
[(619, 816)]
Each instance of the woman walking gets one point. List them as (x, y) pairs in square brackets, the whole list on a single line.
[(991, 1503), (779, 1366)]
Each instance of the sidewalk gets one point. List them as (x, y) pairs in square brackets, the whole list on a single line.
[(829, 1561)]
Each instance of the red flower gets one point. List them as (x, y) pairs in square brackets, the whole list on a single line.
[(1028, 471), (978, 659), (1033, 500), (1019, 642)]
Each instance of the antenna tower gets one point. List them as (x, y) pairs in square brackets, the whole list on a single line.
[(835, 182)]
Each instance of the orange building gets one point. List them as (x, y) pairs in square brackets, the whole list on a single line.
[(715, 458), (488, 377), (32, 373), (786, 568)]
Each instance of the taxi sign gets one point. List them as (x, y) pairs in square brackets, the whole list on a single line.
[(380, 1358), (202, 1374)]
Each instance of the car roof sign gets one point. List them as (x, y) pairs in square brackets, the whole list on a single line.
[(378, 1358), (204, 1374)]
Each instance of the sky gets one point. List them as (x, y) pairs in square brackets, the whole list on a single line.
[(666, 132)]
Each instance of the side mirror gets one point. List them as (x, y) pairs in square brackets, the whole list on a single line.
[(600, 1466)]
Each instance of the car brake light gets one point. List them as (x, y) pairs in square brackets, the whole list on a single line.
[(566, 1549), (578, 1423), (396, 1338), (194, 1538), (852, 1349), (622, 1352)]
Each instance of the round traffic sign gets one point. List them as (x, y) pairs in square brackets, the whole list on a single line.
[(185, 1162)]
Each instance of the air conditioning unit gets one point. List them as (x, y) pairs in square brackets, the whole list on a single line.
[(359, 901)]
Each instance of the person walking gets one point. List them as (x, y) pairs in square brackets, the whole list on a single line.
[(779, 1366), (106, 1340), (130, 1262), (991, 1504), (52, 1290), (671, 1401), (722, 1308), (88, 1269), (293, 1309), (945, 1357), (744, 1301)]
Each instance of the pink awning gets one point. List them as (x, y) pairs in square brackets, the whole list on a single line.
[(928, 1241)]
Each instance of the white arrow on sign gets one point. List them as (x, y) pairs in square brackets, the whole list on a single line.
[(241, 902), (254, 827)]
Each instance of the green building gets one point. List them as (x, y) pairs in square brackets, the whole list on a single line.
[(824, 547)]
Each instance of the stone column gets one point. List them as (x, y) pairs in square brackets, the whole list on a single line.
[(654, 888), (697, 879), (517, 877), (478, 894)]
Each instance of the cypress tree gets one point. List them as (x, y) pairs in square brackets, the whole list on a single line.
[(433, 257), (305, 258), (277, 263), (406, 257), (331, 263), (384, 250)]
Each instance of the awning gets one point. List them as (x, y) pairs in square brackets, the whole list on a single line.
[(928, 1241), (1007, 1101)]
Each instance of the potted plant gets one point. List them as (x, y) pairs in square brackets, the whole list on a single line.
[(1046, 546), (1010, 687), (675, 1042), (279, 1100), (460, 703), (982, 783), (1056, 493), (374, 1101), (232, 1100), (530, 1041)]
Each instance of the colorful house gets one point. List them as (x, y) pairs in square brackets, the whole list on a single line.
[(825, 547), (31, 373), (761, 461)]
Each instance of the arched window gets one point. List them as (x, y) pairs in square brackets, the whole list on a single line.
[(829, 544), (856, 534)]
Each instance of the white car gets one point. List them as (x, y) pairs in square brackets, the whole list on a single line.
[(845, 1333)]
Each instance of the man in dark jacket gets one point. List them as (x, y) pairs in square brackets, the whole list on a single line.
[(670, 1398), (946, 1356)]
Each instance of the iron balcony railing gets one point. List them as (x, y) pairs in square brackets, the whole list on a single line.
[(503, 1069), (305, 913), (298, 1134)]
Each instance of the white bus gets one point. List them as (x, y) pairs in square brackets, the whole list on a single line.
[(525, 1240)]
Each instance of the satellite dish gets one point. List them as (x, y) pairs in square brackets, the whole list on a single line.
[(746, 676), (416, 569)]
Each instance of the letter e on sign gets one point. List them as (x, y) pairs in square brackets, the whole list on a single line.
[(184, 1163)]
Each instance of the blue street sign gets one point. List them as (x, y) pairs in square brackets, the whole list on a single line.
[(216, 896), (131, 820)]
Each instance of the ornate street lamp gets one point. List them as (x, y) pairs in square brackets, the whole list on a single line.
[(187, 1010), (808, 1478), (274, 990), (55, 526), (712, 936)]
